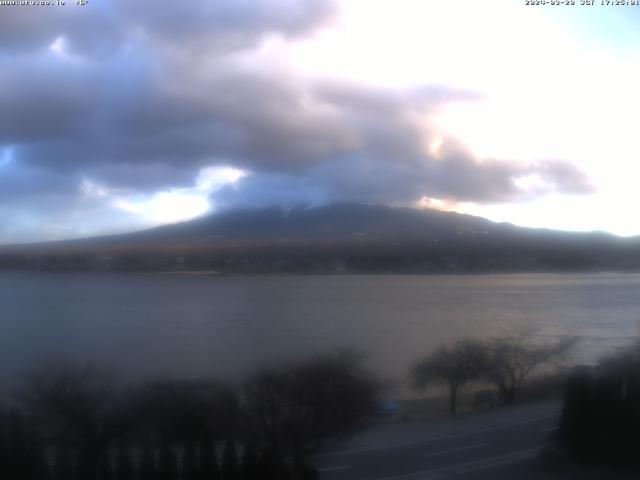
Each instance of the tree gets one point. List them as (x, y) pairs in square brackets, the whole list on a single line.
[(78, 407), (63, 466), (22, 453), (39, 470), (230, 465), (148, 469), (513, 358), (105, 469), (189, 411), (600, 418), (124, 464), (4, 448), (190, 462), (455, 366), (251, 468), (208, 468), (168, 465), (18, 460), (294, 410)]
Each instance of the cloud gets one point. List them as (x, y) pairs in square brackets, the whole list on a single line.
[(38, 204), (127, 103), (105, 27), (405, 181), (225, 25)]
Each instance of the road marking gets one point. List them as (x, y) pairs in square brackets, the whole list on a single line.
[(549, 430), (500, 460), (334, 469), (437, 438), (453, 450)]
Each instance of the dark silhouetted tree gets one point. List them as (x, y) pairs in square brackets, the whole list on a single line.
[(148, 469), (63, 464), (38, 467), (512, 359), (295, 410), (455, 366), (105, 469), (190, 462), (190, 411), (81, 407), (124, 464), (21, 449), (230, 466), (251, 468), (208, 468), (600, 418), (4, 448), (168, 465), (18, 446), (270, 465)]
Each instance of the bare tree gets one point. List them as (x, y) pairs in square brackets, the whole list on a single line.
[(21, 450), (295, 410), (189, 411), (454, 366), (79, 407), (512, 359)]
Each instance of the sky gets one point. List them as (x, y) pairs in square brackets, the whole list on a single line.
[(120, 115)]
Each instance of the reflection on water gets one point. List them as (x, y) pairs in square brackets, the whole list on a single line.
[(226, 326)]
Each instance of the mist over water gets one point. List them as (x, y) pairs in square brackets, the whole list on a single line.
[(226, 327)]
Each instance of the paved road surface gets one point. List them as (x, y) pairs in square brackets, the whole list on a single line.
[(478, 446)]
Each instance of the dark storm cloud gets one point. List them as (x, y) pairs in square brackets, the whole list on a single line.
[(23, 184), (223, 24), (106, 26), (212, 25), (42, 101), (257, 120), (361, 143), (371, 179), (26, 29)]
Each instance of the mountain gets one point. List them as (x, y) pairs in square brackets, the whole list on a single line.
[(341, 237)]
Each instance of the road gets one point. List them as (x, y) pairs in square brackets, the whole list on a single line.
[(478, 446)]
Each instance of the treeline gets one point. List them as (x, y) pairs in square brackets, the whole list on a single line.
[(311, 259), (600, 419), (24, 454), (77, 423), (73, 424)]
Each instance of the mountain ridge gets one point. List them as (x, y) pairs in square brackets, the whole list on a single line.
[(335, 237)]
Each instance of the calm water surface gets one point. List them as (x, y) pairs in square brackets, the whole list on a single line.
[(227, 326)]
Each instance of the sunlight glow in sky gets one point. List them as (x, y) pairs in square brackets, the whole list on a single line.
[(179, 204), (557, 85)]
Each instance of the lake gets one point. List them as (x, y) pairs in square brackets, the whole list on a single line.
[(226, 326)]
